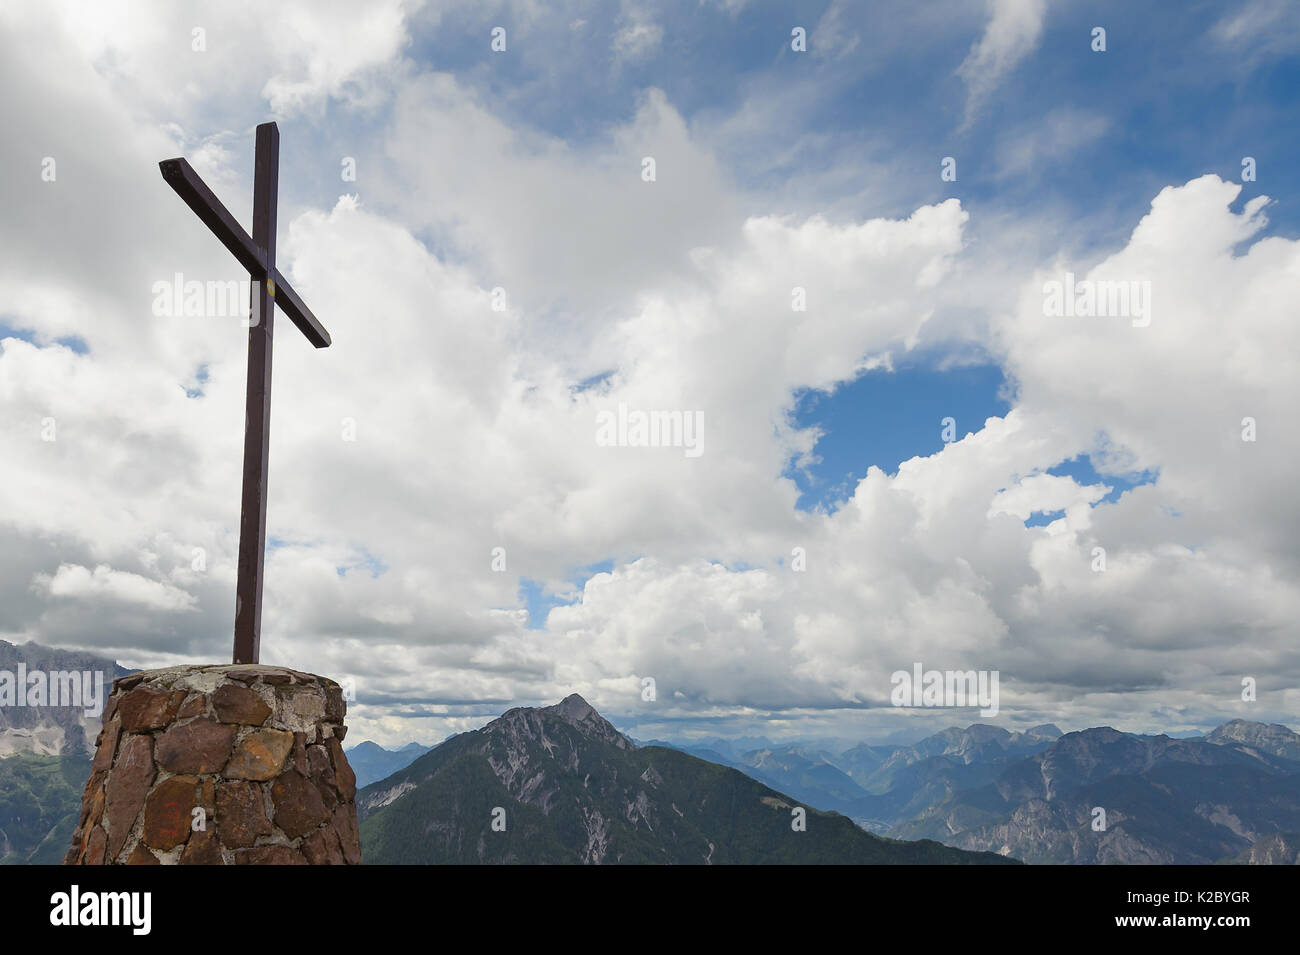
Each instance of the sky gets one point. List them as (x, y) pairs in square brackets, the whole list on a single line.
[(826, 243)]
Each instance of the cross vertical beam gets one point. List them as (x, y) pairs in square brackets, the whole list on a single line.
[(257, 409), (256, 253)]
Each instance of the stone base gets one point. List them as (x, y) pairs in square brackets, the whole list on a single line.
[(220, 765)]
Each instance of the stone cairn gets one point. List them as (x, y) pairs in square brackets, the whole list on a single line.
[(220, 765)]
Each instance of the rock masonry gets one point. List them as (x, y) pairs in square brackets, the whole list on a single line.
[(220, 765)]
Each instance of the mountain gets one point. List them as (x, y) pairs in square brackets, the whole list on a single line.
[(864, 759), (879, 787), (977, 744), (1174, 801), (731, 749), (1283, 848), (45, 747), (40, 803), (1231, 795), (372, 762), (806, 774), (703, 752), (569, 788), (810, 776), (44, 729), (574, 790), (1272, 738)]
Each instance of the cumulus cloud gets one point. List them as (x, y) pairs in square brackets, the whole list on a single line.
[(1045, 494), (74, 581), (439, 427), (935, 564), (313, 51)]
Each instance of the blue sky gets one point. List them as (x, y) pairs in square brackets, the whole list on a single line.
[(1175, 103), (1152, 93), (9, 328), (1158, 84), (474, 428), (886, 417), (1142, 107)]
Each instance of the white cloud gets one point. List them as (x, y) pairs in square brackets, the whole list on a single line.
[(1056, 136), (1258, 30), (309, 50), (472, 432), (637, 40), (76, 582), (1012, 33), (834, 36), (1045, 494), (336, 49), (935, 563)]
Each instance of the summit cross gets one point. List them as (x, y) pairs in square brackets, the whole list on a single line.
[(255, 253)]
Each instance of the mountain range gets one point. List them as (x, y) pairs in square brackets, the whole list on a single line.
[(45, 756), (559, 784), (574, 789), (51, 730), (372, 762), (1232, 795), (880, 786), (1161, 800)]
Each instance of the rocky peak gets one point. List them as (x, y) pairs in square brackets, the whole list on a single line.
[(1045, 730), (52, 729), (983, 732), (1273, 738), (573, 711), (572, 708), (581, 715)]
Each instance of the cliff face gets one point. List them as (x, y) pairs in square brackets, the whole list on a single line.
[(1172, 801), (45, 747), (1280, 849), (1271, 738), (559, 784), (44, 729)]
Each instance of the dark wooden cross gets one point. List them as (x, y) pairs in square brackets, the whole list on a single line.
[(257, 255)]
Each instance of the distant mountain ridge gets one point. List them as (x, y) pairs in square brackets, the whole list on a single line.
[(1230, 795), (565, 786), (372, 762), (45, 755), (52, 730), (1182, 801), (879, 786), (1272, 738)]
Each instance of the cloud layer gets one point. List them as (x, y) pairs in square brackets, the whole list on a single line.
[(492, 287)]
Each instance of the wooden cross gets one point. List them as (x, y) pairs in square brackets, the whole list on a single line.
[(257, 255)]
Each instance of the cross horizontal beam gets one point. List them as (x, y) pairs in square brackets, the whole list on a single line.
[(180, 175)]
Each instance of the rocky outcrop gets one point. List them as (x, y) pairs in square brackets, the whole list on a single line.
[(32, 721), (559, 784), (1282, 848), (1271, 738), (220, 765), (1104, 797)]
